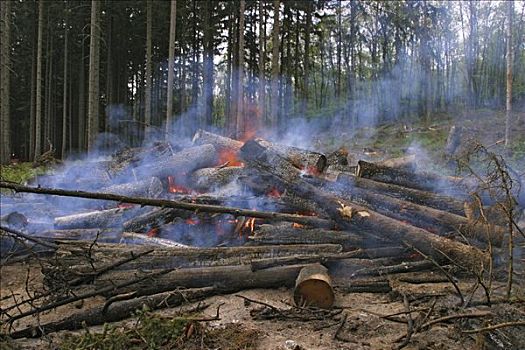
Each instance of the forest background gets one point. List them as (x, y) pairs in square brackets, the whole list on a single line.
[(77, 73)]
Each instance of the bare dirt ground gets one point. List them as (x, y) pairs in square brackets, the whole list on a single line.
[(363, 326)]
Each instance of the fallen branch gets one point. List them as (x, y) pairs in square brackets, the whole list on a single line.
[(497, 326), (300, 219)]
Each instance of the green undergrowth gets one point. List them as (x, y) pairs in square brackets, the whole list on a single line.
[(151, 331), (20, 172)]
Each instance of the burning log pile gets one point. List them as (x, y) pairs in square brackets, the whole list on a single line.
[(181, 223)]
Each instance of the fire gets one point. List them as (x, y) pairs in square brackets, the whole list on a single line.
[(174, 188), (192, 221), (153, 232), (248, 225), (229, 157), (274, 193), (296, 225), (310, 170), (125, 205)]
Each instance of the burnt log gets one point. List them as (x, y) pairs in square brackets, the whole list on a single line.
[(83, 234), (309, 161), (271, 216), (313, 287), (426, 198), (434, 220), (154, 218), (137, 238), (151, 188), (206, 179), (93, 219), (221, 143), (421, 181), (180, 163), (286, 234), (355, 218)]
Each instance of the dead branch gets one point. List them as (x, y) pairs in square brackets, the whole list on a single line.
[(300, 219)]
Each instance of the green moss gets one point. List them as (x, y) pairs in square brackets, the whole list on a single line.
[(151, 331), (20, 172)]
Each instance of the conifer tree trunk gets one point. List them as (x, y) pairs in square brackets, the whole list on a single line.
[(306, 76), (208, 80), (508, 102), (240, 89), (171, 65), (65, 95), (38, 95), (147, 97), (275, 64), (262, 79), (5, 127), (93, 90)]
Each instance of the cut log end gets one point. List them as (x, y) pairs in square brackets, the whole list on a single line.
[(313, 287)]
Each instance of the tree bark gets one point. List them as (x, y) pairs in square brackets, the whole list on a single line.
[(428, 199), (275, 65), (38, 97), (239, 129), (93, 90), (64, 93), (149, 68), (5, 48), (508, 100), (355, 218), (171, 65), (262, 63)]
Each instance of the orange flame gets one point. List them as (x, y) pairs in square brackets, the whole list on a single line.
[(174, 188), (125, 205), (192, 221), (249, 225), (229, 157), (153, 232), (296, 225), (274, 193)]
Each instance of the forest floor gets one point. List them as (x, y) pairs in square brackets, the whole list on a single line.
[(360, 325), (363, 328)]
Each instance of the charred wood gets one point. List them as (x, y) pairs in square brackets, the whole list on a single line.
[(285, 234), (420, 181), (180, 163), (151, 187), (210, 178), (428, 199), (355, 218), (308, 161), (221, 143), (437, 221), (272, 216)]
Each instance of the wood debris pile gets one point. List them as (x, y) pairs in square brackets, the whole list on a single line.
[(221, 216)]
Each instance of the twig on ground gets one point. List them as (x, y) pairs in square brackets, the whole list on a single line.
[(497, 326)]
